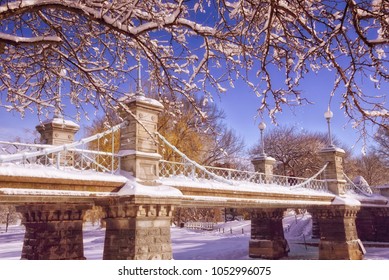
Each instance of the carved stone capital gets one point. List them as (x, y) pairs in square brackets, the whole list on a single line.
[(268, 213), (123, 210), (335, 212), (380, 212), (47, 212), (53, 231)]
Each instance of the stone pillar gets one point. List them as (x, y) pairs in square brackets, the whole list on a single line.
[(264, 164), (267, 234), (381, 223), (58, 131), (139, 152), (334, 171), (373, 224), (315, 228), (138, 232), (366, 225), (53, 232), (338, 233)]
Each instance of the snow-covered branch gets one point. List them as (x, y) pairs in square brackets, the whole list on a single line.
[(190, 48), (18, 40)]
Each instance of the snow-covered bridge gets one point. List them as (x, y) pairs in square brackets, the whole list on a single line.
[(54, 183)]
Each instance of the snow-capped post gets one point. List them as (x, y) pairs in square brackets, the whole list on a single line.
[(138, 149), (333, 174), (334, 156), (58, 131), (263, 163)]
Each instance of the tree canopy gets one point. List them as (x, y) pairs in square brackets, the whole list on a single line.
[(382, 139), (296, 151), (190, 48), (210, 143)]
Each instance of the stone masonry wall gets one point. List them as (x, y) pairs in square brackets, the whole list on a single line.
[(338, 234), (53, 232), (138, 232), (267, 234)]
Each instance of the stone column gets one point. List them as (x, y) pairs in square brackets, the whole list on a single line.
[(58, 131), (267, 234), (137, 232), (338, 233), (334, 171), (381, 222), (264, 164), (315, 228), (139, 152), (53, 232), (365, 223), (373, 224)]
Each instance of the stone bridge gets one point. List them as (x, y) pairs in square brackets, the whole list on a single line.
[(54, 191)]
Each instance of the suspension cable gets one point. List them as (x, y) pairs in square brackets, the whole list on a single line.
[(185, 157), (365, 191), (311, 178)]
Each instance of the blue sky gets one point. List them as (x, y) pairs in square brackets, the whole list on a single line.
[(241, 106)]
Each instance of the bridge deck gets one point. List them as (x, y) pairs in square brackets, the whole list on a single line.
[(42, 184), (34, 183), (206, 193)]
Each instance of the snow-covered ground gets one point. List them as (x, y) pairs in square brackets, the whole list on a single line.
[(228, 241)]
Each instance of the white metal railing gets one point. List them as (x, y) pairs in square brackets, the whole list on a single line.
[(81, 159), (73, 155), (170, 169), (191, 162), (361, 189), (200, 225)]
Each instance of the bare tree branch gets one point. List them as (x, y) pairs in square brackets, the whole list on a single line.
[(193, 48)]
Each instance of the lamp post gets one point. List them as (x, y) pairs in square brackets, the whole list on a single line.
[(328, 115), (262, 127), (263, 163), (139, 91), (57, 112)]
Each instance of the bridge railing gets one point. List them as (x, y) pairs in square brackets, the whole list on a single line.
[(76, 158), (360, 189), (169, 169), (200, 225)]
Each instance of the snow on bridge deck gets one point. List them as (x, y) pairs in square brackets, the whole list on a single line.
[(31, 181), (35, 183), (205, 193)]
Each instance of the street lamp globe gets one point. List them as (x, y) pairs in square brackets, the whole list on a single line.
[(328, 114), (262, 126)]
